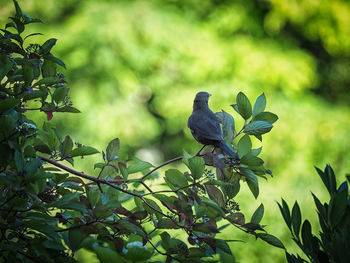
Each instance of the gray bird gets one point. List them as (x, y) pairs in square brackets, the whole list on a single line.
[(205, 126)]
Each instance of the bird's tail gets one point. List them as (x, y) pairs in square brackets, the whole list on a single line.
[(223, 146)]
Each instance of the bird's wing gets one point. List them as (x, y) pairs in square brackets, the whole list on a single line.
[(208, 128)]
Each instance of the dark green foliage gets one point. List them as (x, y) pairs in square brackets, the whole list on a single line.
[(333, 243), (48, 210)]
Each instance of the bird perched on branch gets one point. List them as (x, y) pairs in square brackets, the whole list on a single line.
[(205, 126)]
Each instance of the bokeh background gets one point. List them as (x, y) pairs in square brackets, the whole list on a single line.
[(134, 68)]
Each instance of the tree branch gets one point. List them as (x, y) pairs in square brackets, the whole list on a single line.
[(83, 175)]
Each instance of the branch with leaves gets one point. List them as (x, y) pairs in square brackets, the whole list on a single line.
[(49, 210)]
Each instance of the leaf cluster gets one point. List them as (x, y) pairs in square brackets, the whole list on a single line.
[(332, 244)]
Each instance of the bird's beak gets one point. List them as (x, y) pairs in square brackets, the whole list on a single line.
[(209, 94)]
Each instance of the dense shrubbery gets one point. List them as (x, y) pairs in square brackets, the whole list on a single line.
[(333, 243), (48, 210)]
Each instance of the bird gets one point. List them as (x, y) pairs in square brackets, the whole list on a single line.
[(205, 126)]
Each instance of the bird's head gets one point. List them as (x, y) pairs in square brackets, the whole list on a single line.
[(202, 98)]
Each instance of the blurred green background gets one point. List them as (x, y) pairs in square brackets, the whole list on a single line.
[(134, 68)]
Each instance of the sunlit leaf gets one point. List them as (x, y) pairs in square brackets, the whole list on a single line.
[(228, 125), (258, 127), (47, 46), (258, 214), (107, 255), (83, 150), (138, 166), (196, 165), (259, 105), (244, 145), (244, 106), (175, 178), (266, 116), (113, 149)]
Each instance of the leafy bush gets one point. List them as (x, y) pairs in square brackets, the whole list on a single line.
[(333, 243), (48, 210)]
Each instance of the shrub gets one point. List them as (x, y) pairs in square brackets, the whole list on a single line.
[(48, 210), (333, 243)]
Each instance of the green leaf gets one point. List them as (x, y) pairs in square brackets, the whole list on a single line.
[(331, 178), (266, 116), (337, 207), (216, 195), (152, 207), (165, 240), (186, 157), (60, 93), (75, 238), (259, 105), (47, 46), (40, 146), (251, 160), (5, 65), (306, 234), (206, 227), (57, 244), (130, 227), (272, 240), (19, 24), (175, 178), (93, 196), (258, 214), (107, 255), (68, 109), (138, 166), (219, 243), (28, 73), (228, 125), (244, 145), (165, 198), (113, 149), (66, 146), (56, 60), (19, 160), (166, 223), (83, 150), (197, 166), (252, 181), (257, 128), (232, 189), (48, 68), (257, 151), (47, 81), (296, 218), (244, 106), (8, 103), (213, 205), (18, 9), (285, 213), (226, 258), (236, 218), (74, 206), (33, 34), (136, 251), (123, 170)]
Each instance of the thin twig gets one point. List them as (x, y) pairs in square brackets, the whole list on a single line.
[(238, 133), (164, 254), (161, 165), (76, 226), (170, 191)]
